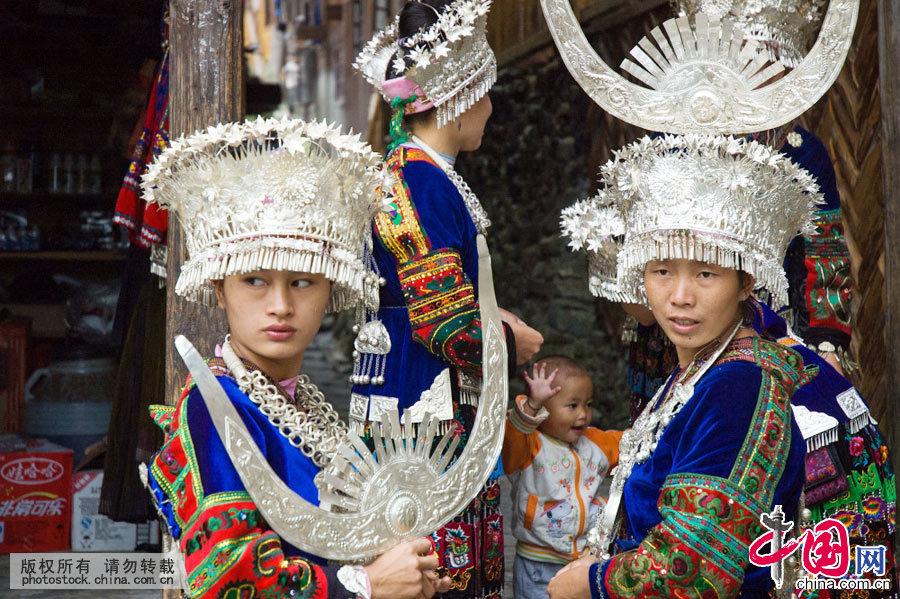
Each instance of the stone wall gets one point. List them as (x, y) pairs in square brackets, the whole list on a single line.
[(536, 159)]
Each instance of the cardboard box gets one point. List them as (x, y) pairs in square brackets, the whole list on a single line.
[(14, 336), (148, 534), (35, 495), (92, 531)]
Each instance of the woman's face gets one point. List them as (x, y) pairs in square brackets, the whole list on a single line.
[(470, 124), (273, 315), (694, 302)]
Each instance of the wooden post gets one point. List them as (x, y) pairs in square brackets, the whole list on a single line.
[(205, 88), (889, 80)]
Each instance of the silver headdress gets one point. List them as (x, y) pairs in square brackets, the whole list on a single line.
[(450, 61), (597, 225), (270, 194), (785, 27), (722, 200), (705, 77), (698, 194)]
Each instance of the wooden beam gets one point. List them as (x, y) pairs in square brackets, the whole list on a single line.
[(596, 16), (889, 81), (205, 88)]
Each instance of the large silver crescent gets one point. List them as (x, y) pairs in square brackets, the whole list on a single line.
[(703, 108), (411, 496)]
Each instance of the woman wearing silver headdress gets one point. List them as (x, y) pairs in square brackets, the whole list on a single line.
[(818, 266), (690, 224), (693, 224), (848, 472), (276, 214), (434, 66)]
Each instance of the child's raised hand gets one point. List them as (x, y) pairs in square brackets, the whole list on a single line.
[(540, 386)]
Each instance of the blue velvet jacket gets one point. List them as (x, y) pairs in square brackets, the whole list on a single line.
[(425, 250), (227, 545), (729, 455)]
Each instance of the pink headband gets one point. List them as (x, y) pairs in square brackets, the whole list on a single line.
[(403, 88)]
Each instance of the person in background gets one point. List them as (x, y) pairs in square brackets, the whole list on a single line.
[(290, 80), (556, 463), (435, 67)]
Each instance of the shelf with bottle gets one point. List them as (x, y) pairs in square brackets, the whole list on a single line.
[(24, 172), (90, 235), (65, 255)]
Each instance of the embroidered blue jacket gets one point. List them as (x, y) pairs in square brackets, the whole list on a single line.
[(729, 455)]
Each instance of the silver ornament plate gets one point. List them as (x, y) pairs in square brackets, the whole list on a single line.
[(701, 78), (408, 487)]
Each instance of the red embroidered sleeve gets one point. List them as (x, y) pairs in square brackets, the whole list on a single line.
[(699, 549), (827, 263), (230, 551)]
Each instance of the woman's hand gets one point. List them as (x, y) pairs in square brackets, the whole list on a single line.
[(406, 572), (582, 562), (572, 582), (508, 317), (432, 585), (528, 341)]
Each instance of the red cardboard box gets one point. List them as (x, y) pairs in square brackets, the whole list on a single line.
[(35, 495), (14, 334)]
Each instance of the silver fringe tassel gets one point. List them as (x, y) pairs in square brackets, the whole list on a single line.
[(822, 439), (694, 245), (474, 89)]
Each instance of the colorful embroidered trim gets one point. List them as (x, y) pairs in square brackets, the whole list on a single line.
[(399, 228), (435, 287), (700, 547), (761, 461), (443, 310), (828, 274), (229, 550)]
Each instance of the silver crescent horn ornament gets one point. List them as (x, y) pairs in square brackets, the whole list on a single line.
[(703, 77), (410, 486)]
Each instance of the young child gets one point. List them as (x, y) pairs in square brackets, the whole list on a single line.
[(556, 463)]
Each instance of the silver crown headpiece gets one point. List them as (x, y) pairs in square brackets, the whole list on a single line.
[(597, 225), (697, 194), (705, 76), (728, 201), (785, 27), (270, 194), (451, 61)]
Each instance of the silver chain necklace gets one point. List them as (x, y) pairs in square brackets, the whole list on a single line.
[(476, 210), (639, 442), (316, 429)]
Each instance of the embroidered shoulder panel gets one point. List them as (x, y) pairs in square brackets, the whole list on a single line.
[(764, 452), (174, 468), (399, 227)]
